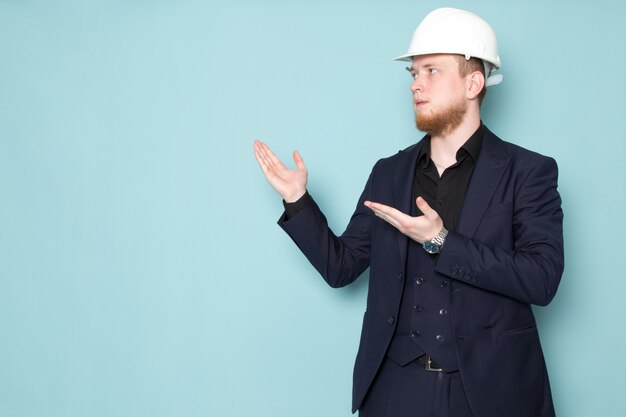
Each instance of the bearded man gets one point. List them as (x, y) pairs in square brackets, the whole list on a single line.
[(462, 232)]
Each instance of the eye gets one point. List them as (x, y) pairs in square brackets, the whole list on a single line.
[(410, 70), (433, 71)]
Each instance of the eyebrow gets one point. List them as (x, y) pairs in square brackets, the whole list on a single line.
[(425, 66)]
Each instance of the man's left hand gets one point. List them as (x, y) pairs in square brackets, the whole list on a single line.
[(420, 228)]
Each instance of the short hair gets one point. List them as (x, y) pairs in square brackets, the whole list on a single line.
[(467, 66)]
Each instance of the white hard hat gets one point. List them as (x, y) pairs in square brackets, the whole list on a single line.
[(455, 31)]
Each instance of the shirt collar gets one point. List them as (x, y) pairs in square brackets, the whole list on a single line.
[(471, 146)]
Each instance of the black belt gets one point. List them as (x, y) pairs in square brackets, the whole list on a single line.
[(428, 363)]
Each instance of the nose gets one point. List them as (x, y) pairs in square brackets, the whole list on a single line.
[(417, 85)]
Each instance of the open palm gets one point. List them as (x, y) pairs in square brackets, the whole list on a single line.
[(289, 183)]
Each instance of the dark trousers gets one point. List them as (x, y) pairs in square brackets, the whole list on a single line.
[(412, 391)]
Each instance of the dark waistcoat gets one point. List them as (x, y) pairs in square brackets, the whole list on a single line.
[(424, 322)]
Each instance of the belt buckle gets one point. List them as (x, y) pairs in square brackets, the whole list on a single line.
[(428, 366)]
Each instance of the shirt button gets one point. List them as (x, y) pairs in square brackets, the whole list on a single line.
[(440, 338), (443, 311), (443, 283), (390, 320), (441, 202), (400, 276), (414, 334), (417, 308), (419, 280)]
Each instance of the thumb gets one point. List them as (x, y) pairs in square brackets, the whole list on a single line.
[(299, 161), (425, 208)]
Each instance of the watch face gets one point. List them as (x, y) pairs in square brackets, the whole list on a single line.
[(431, 247)]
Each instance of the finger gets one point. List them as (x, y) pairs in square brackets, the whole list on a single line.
[(260, 160), (257, 147), (263, 158), (297, 158), (272, 159), (261, 153), (383, 209), (269, 156), (426, 209), (389, 214), (377, 208), (257, 153)]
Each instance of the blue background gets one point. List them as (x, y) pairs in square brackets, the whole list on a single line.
[(141, 269)]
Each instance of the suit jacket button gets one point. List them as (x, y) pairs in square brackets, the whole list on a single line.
[(443, 311), (419, 280), (440, 338), (390, 320)]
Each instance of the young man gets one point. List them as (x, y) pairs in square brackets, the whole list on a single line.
[(462, 233)]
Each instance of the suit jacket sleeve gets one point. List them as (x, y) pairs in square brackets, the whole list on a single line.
[(531, 269), (339, 259)]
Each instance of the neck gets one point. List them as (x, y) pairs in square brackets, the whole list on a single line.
[(443, 147)]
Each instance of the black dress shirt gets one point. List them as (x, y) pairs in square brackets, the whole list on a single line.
[(446, 193)]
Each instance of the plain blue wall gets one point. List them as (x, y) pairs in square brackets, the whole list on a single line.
[(141, 269)]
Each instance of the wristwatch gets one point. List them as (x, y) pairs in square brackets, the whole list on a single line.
[(434, 245)]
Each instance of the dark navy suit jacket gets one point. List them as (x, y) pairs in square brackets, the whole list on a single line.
[(506, 255)]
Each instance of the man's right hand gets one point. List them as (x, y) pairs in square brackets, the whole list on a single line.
[(289, 183)]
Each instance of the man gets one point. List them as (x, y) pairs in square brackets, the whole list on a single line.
[(462, 232)]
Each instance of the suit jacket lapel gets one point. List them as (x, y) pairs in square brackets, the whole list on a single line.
[(492, 161), (403, 189)]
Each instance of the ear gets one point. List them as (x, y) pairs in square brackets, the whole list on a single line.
[(475, 82)]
